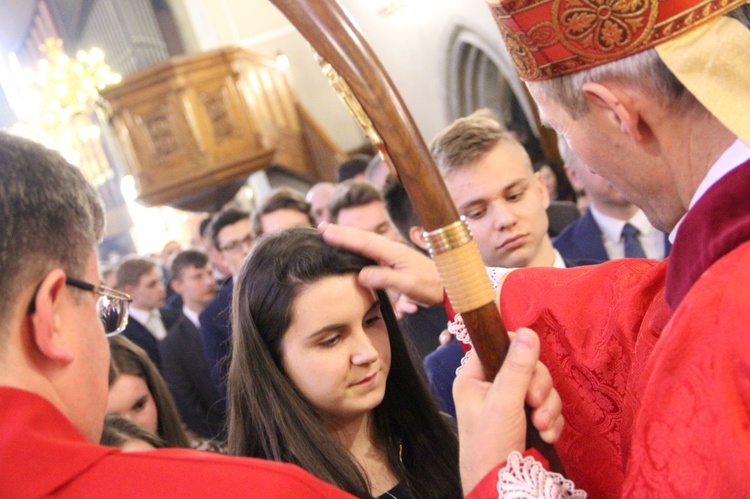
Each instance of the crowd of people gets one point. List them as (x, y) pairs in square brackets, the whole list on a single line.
[(308, 349)]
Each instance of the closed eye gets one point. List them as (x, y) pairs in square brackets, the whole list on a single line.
[(515, 196), (373, 320), (330, 341), (140, 404), (476, 213), (374, 315)]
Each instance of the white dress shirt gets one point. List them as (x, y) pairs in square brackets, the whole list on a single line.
[(151, 320)]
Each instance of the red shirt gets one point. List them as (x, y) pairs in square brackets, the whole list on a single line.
[(42, 454)]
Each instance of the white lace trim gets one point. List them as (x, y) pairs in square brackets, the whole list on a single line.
[(526, 478)]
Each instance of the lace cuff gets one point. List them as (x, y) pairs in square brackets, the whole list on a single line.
[(526, 478)]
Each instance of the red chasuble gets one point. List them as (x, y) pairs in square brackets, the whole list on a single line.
[(657, 403)]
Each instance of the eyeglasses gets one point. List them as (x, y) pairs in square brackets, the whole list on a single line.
[(111, 304), (236, 244)]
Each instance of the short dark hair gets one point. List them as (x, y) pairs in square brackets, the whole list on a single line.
[(350, 195), (203, 227), (227, 216), (51, 217), (187, 258), (400, 209), (280, 199), (353, 166), (130, 270)]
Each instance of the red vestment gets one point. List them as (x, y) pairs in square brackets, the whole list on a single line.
[(657, 403), (42, 453)]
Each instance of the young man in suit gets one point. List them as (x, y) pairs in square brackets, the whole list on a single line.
[(183, 357), (231, 236), (148, 322)]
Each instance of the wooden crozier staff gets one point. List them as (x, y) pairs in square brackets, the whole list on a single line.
[(338, 41)]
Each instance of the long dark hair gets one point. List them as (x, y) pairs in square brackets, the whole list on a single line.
[(129, 358), (269, 418)]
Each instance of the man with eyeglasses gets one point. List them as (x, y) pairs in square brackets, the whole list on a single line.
[(231, 235)]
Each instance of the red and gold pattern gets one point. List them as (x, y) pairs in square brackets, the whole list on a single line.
[(550, 38)]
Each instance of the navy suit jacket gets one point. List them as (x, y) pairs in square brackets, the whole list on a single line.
[(138, 334), (215, 328), (424, 327), (440, 367), (582, 241), (186, 371)]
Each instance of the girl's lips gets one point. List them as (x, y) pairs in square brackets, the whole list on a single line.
[(366, 380)]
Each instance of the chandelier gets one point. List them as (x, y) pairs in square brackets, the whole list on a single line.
[(57, 101)]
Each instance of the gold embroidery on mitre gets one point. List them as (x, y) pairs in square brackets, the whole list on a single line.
[(587, 33), (599, 29), (520, 52), (543, 35)]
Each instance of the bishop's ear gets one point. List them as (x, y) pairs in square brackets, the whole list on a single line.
[(50, 311), (617, 106)]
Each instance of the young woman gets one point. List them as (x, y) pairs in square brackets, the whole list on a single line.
[(321, 377), (139, 393)]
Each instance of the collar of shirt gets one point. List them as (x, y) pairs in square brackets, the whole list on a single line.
[(612, 227), (559, 263), (139, 314), (737, 155), (192, 316)]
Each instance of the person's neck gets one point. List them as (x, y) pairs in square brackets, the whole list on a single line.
[(545, 256), (690, 160), (354, 434), (621, 211), (357, 437), (195, 307)]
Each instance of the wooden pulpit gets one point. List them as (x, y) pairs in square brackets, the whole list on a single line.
[(193, 128)]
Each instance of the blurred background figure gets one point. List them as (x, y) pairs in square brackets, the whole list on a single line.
[(148, 322), (183, 357), (550, 180), (319, 195), (282, 209), (353, 169), (360, 205), (377, 172), (231, 236)]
